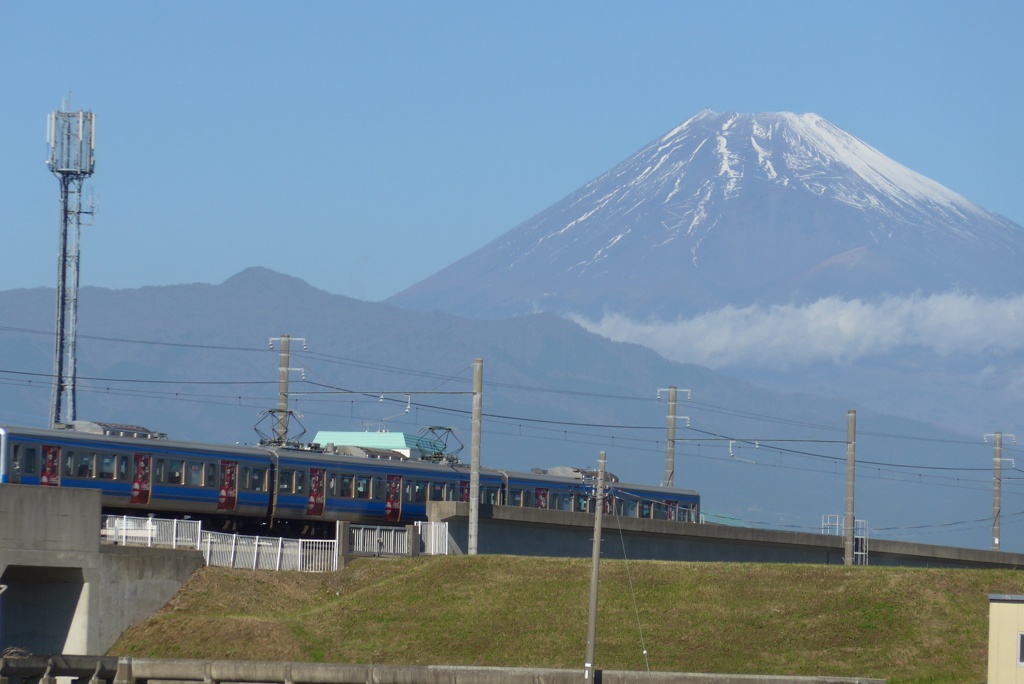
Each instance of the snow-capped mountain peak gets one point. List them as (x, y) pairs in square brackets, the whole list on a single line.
[(733, 209)]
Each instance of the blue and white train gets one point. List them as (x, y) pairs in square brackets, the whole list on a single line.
[(299, 491)]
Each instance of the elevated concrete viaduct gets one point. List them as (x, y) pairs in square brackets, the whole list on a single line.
[(538, 532)]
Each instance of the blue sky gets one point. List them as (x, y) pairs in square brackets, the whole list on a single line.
[(364, 146)]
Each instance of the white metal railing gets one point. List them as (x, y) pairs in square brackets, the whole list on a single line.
[(273, 553), (379, 541), (269, 553), (136, 531), (435, 539)]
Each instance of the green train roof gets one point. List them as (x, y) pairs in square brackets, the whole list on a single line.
[(396, 441)]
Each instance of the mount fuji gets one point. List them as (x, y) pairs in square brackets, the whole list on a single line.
[(735, 210)]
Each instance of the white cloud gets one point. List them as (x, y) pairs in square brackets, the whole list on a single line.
[(830, 329)]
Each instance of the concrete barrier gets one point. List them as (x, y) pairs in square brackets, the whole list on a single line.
[(43, 670)]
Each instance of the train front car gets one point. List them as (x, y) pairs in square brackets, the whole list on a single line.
[(140, 472)]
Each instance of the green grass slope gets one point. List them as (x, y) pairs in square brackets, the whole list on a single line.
[(906, 625)]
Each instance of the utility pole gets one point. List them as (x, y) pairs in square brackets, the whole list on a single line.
[(670, 440), (282, 414), (851, 460), (595, 561), (474, 451), (997, 484)]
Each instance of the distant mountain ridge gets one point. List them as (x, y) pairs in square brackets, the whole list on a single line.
[(192, 361), (735, 209)]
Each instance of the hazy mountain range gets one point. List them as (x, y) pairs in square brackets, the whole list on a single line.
[(810, 272)]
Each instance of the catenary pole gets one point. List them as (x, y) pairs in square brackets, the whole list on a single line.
[(474, 464), (595, 561), (281, 428), (670, 440), (851, 460), (997, 485)]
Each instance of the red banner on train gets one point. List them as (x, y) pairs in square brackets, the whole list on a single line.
[(317, 492), (227, 499), (141, 485), (51, 467), (393, 499), (541, 494)]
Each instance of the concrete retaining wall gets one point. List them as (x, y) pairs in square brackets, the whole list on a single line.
[(67, 593)]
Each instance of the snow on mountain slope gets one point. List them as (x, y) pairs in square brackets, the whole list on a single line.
[(735, 209)]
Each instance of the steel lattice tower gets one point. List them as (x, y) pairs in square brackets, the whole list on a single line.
[(71, 138)]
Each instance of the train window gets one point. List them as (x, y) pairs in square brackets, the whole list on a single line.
[(159, 471), (29, 461), (16, 460), (515, 497), (451, 492), (582, 503), (253, 479), (489, 495), (193, 474), (259, 479), (362, 487), (626, 509), (69, 463), (378, 491), (209, 475), (437, 491), (175, 472), (107, 463), (345, 486), (529, 499), (300, 482), (416, 492), (85, 465), (284, 481), (122, 467), (689, 513), (645, 509), (555, 501), (332, 484)]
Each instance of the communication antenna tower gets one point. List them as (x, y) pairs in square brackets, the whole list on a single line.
[(71, 137)]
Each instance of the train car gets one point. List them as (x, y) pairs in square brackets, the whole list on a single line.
[(141, 472), (294, 491)]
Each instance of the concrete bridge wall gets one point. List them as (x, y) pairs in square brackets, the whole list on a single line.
[(539, 532), (67, 593)]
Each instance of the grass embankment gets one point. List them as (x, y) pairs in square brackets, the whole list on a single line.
[(898, 623)]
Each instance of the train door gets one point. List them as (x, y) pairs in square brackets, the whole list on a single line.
[(393, 499), (142, 482), (317, 489), (541, 497), (51, 467), (227, 498)]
